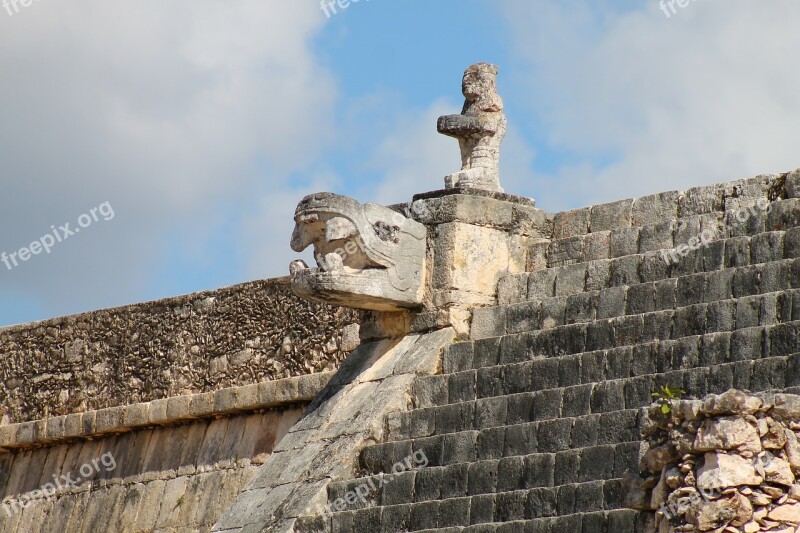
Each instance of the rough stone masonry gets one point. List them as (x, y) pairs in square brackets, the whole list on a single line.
[(512, 349)]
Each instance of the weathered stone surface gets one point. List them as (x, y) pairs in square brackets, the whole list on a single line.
[(786, 513), (718, 514), (792, 450), (138, 481), (727, 433), (779, 472), (787, 406), (723, 471), (142, 352), (611, 216), (572, 223), (368, 256), (479, 128), (352, 411), (655, 208), (732, 402)]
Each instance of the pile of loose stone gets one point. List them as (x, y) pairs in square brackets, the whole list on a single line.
[(726, 463)]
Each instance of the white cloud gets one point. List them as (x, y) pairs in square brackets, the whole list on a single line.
[(706, 95), (172, 111)]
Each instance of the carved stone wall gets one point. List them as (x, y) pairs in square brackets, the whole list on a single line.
[(727, 462), (196, 343)]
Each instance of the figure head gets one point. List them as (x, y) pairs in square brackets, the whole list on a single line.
[(480, 85)]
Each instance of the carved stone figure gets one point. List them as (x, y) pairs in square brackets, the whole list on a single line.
[(479, 128), (369, 256)]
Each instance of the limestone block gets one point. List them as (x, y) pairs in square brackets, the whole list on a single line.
[(732, 402), (206, 508), (135, 415), (571, 223), (190, 451), (178, 407), (33, 516), (701, 200), (201, 404), (127, 456), (276, 392), (655, 209), (787, 406), (470, 209), (792, 450), (537, 255), (725, 434), (488, 322), (624, 241), (470, 258), (735, 510), (512, 289), (212, 442), (789, 512), (721, 471), (779, 472), (27, 432), (158, 411), (792, 184), (174, 492), (394, 351), (134, 494), (597, 245), (98, 514), (424, 357), (611, 216), (657, 237), (58, 516), (55, 428), (746, 192), (350, 338), (396, 392), (306, 499), (785, 214), (566, 251), (78, 511), (8, 434)]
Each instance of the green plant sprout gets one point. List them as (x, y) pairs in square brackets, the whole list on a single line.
[(665, 396)]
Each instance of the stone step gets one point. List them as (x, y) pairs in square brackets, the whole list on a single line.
[(616, 521), (741, 287), (592, 385), (685, 325), (498, 426), (494, 443), (511, 463), (666, 234), (572, 374), (743, 253), (570, 508), (672, 205)]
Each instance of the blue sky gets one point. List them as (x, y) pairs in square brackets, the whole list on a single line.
[(203, 123)]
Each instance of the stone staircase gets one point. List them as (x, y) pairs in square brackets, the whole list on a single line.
[(533, 422)]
